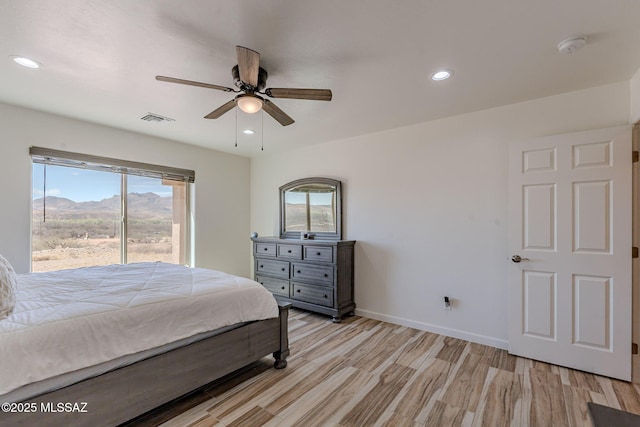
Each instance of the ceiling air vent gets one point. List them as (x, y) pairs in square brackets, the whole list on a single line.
[(156, 118)]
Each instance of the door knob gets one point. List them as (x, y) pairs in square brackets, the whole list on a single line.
[(518, 258)]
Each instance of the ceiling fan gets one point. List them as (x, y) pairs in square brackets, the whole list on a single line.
[(251, 79)]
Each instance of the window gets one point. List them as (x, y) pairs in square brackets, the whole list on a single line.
[(90, 210)]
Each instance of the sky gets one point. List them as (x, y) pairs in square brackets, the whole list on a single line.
[(82, 185), (316, 198)]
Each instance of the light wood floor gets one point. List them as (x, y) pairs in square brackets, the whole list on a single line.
[(363, 372)]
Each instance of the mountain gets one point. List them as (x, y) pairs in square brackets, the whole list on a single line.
[(143, 205)]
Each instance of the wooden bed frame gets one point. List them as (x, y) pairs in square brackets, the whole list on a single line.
[(127, 392)]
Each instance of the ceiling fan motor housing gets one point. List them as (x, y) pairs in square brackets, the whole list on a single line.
[(262, 80)]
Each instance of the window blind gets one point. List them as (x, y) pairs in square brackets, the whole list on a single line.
[(85, 161)]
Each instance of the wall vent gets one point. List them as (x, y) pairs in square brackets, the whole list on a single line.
[(156, 118)]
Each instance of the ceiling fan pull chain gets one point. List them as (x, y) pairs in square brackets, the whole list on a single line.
[(262, 132), (236, 126)]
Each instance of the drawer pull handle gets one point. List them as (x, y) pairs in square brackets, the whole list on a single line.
[(266, 249), (326, 275), (289, 251), (299, 272), (282, 287), (282, 268), (326, 296), (298, 291), (261, 266), (262, 283), (318, 253)]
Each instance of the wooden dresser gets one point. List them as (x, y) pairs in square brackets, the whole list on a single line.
[(314, 275)]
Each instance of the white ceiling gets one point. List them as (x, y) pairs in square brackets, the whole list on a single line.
[(100, 59)]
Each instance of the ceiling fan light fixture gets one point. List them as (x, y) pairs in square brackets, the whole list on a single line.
[(249, 103)]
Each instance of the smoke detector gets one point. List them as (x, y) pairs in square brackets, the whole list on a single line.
[(571, 44)]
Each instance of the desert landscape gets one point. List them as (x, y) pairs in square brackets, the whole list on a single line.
[(321, 217), (68, 234)]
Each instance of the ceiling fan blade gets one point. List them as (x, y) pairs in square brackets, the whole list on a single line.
[(313, 94), (275, 112), (248, 65), (192, 83), (221, 110)]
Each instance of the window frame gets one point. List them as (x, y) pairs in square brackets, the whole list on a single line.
[(124, 168)]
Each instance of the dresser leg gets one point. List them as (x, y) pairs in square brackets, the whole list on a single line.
[(280, 363), (336, 319)]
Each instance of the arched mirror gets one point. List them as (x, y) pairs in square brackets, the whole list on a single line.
[(311, 208)]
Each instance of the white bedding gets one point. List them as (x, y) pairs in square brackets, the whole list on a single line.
[(71, 319)]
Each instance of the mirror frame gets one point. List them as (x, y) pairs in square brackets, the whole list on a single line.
[(316, 235)]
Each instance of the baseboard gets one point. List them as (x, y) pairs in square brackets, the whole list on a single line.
[(455, 333)]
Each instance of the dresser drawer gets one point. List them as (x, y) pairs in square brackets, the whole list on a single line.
[(265, 249), (272, 267), (290, 251), (318, 253), (275, 286), (313, 294), (314, 273)]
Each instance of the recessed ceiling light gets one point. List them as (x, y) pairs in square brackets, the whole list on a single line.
[(441, 75), (248, 132), (25, 62)]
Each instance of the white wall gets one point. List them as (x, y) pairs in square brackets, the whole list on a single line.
[(221, 188), (428, 206)]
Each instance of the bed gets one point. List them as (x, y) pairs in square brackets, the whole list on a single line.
[(102, 345)]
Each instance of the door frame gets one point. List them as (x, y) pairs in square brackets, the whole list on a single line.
[(635, 266)]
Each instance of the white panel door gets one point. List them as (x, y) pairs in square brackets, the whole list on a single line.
[(570, 242)]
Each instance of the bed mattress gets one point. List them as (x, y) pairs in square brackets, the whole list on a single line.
[(69, 320)]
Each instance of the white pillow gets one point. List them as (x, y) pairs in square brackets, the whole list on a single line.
[(8, 288)]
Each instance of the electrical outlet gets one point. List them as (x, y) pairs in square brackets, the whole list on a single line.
[(447, 304)]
